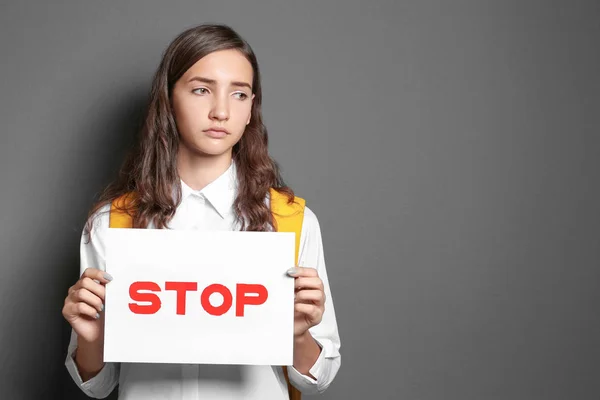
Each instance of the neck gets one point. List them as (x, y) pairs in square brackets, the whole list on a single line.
[(198, 171)]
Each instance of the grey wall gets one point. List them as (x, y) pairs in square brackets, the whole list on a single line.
[(449, 149)]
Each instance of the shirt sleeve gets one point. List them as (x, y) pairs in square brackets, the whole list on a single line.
[(92, 256), (325, 333)]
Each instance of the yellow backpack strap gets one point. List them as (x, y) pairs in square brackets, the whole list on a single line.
[(288, 218), (118, 217)]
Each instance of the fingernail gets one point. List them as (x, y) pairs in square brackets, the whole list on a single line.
[(97, 281), (101, 307), (292, 271), (97, 315), (108, 276)]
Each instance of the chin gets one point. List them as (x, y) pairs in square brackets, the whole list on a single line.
[(208, 147), (212, 150)]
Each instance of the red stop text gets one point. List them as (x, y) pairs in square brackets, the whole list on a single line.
[(245, 294)]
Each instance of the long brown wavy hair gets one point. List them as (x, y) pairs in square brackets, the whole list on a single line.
[(149, 173)]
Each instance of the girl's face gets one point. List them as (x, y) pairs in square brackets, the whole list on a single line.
[(212, 103)]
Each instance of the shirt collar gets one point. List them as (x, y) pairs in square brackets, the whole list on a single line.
[(220, 192)]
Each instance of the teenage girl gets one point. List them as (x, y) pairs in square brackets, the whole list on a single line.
[(201, 162)]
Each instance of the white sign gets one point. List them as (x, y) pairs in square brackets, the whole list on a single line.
[(181, 296)]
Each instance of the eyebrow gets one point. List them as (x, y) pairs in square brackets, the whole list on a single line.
[(213, 82)]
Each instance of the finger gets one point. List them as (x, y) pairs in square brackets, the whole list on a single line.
[(311, 311), (310, 296), (87, 297), (302, 271), (102, 277), (93, 286), (83, 309), (308, 283)]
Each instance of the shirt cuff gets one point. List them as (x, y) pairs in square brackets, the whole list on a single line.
[(98, 387), (306, 384)]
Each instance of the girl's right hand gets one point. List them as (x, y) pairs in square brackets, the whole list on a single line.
[(84, 305)]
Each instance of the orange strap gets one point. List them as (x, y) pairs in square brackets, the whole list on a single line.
[(288, 218)]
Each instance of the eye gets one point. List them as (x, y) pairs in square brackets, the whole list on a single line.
[(202, 90), (241, 95)]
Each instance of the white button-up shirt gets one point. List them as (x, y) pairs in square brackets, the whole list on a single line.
[(210, 209)]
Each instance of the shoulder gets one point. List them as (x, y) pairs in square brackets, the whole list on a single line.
[(310, 218), (98, 222), (311, 241), (311, 228)]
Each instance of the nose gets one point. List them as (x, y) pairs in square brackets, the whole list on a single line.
[(220, 109)]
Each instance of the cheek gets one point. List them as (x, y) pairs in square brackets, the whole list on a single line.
[(243, 111), (188, 116)]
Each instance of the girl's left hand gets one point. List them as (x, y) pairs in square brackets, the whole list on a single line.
[(310, 299)]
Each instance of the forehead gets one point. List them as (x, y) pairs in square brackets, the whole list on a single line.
[(223, 65)]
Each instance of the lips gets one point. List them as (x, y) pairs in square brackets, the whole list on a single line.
[(216, 132), (217, 129)]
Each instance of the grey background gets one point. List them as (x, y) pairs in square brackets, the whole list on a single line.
[(449, 149)]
